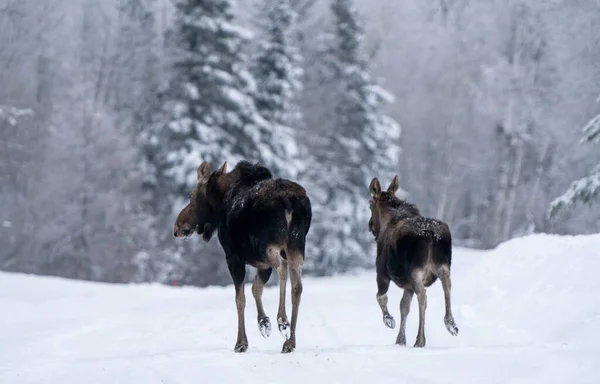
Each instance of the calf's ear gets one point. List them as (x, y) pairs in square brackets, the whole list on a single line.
[(222, 170), (375, 188), (393, 188), (203, 172)]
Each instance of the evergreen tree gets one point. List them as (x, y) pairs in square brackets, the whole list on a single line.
[(277, 64), (361, 143), (276, 67), (209, 114), (586, 189), (210, 106), (368, 138), (210, 101)]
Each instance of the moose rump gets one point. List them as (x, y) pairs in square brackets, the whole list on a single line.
[(270, 218), (421, 244)]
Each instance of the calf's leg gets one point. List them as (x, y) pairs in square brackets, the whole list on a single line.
[(444, 275), (404, 310), (383, 284), (421, 293)]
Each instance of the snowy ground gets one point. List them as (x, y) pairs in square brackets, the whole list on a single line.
[(528, 312)]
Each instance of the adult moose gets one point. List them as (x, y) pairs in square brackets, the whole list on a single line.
[(412, 251), (262, 222)]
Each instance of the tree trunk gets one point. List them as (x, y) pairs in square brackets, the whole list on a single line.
[(504, 172), (518, 150)]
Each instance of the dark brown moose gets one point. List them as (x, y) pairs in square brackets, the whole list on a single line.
[(260, 221), (412, 251)]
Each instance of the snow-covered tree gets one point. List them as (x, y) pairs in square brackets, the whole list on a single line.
[(277, 70), (277, 63), (369, 140), (361, 143), (586, 189), (210, 102), (209, 107)]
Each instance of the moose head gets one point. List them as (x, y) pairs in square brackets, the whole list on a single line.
[(379, 198), (201, 214)]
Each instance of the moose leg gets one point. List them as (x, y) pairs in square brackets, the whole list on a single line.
[(262, 277), (238, 273), (296, 260), (420, 290), (404, 310), (282, 320), (444, 275), (383, 284)]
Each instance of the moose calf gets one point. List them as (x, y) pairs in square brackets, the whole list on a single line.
[(412, 251)]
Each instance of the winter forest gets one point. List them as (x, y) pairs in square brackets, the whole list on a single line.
[(488, 110)]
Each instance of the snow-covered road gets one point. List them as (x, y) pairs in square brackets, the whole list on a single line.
[(528, 312)]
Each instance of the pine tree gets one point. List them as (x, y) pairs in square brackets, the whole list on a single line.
[(360, 143), (586, 189), (365, 133), (209, 114), (212, 113), (277, 64), (276, 67)]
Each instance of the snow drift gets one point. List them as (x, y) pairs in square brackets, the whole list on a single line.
[(528, 312)]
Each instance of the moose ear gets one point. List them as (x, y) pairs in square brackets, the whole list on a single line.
[(203, 172), (393, 188), (375, 187), (222, 170)]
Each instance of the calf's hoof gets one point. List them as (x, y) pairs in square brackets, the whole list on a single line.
[(264, 326), (288, 346), (451, 326), (420, 343), (389, 321), (284, 328), (401, 340), (241, 347)]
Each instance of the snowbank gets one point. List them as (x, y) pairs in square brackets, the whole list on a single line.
[(528, 312)]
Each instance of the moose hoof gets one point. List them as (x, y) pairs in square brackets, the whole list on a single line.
[(241, 347), (389, 321), (284, 328), (451, 326), (288, 346), (401, 341), (264, 326), (420, 343)]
